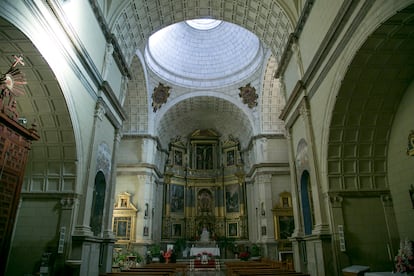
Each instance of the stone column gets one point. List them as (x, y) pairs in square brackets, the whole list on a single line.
[(297, 215), (108, 235)]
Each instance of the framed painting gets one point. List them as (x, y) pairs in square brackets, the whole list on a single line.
[(232, 229), (177, 198), (285, 227), (178, 158), (176, 230), (122, 228), (230, 154), (232, 198)]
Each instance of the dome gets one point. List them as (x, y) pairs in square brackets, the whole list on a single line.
[(204, 54)]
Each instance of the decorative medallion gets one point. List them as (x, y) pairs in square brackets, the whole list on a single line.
[(10, 87), (249, 96), (160, 96)]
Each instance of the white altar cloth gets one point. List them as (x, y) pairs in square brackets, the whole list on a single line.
[(194, 251)]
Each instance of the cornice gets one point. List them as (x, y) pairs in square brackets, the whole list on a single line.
[(110, 38), (293, 37)]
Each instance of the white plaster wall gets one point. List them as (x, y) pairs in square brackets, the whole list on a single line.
[(321, 17), (277, 151), (130, 151), (81, 18), (114, 78), (401, 166), (280, 184), (291, 76), (298, 133)]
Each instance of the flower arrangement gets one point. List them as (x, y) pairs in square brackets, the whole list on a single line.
[(122, 257), (244, 255), (204, 257), (404, 261)]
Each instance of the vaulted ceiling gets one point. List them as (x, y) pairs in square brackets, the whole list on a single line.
[(204, 67)]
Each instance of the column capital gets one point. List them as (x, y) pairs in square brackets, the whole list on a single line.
[(68, 202), (336, 200)]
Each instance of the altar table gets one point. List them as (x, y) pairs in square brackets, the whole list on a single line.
[(194, 251)]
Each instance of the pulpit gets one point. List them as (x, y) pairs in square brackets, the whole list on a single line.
[(15, 143)]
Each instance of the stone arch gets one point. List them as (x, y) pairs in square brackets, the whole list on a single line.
[(136, 102), (274, 31), (365, 106)]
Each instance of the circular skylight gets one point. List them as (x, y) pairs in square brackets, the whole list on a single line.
[(203, 24), (204, 56)]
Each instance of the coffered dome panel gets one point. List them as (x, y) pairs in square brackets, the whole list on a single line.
[(196, 57)]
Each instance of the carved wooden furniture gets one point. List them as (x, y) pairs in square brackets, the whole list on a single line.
[(15, 143)]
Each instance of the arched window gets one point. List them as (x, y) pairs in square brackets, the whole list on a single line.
[(307, 208), (98, 203)]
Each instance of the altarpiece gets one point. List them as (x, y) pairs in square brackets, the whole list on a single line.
[(204, 188)]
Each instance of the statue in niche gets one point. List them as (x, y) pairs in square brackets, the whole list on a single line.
[(205, 235)]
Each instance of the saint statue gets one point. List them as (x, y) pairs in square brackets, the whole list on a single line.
[(205, 235)]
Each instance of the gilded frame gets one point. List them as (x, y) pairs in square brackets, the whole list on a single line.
[(176, 230), (233, 229)]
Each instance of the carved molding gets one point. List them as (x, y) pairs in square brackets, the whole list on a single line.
[(68, 202), (336, 200), (160, 96)]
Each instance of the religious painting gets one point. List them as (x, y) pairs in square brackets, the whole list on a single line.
[(177, 198), (204, 157), (176, 230), (232, 229), (286, 225), (122, 228), (178, 158), (232, 198), (230, 157), (205, 201)]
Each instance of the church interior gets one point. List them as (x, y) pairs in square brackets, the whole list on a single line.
[(280, 129)]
